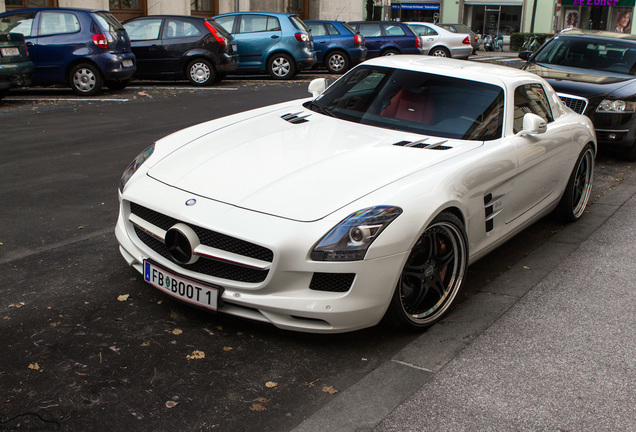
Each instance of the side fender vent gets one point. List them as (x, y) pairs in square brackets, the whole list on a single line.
[(295, 118)]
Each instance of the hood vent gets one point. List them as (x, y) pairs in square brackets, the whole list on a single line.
[(294, 118), (424, 145)]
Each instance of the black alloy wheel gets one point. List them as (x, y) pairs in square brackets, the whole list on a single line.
[(577, 192), (432, 276)]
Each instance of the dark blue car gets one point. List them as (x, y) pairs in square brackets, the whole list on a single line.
[(82, 48), (388, 38), (338, 46)]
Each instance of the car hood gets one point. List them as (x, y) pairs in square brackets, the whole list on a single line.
[(579, 81), (302, 171)]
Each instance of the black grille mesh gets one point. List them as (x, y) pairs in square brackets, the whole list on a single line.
[(211, 267), (332, 282), (575, 104)]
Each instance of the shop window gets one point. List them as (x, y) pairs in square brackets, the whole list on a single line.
[(205, 8), (18, 4)]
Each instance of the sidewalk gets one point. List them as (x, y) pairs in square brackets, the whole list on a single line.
[(550, 345)]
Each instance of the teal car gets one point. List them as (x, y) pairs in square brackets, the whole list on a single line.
[(15, 67), (275, 43)]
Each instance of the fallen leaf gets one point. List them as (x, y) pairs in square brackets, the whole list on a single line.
[(364, 359), (177, 331), (16, 305), (263, 400), (329, 389), (34, 366), (171, 404), (526, 267), (226, 349), (145, 344), (80, 227), (219, 328), (271, 384), (55, 324), (258, 407), (196, 355), (123, 297)]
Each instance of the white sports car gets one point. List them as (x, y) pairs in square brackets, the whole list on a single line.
[(368, 200)]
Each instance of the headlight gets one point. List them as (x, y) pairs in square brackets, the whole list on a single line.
[(134, 166), (350, 239), (616, 106)]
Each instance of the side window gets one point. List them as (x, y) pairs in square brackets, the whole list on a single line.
[(394, 30), (58, 23), (147, 29), (317, 29), (227, 22), (17, 23), (179, 29), (430, 31), (258, 23), (530, 98), (332, 30), (370, 30)]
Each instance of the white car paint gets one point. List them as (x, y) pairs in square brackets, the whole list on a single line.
[(261, 179)]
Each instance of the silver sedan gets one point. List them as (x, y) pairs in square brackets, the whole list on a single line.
[(439, 42)]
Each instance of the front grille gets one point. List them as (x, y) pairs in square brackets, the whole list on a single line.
[(204, 265), (332, 282), (575, 103)]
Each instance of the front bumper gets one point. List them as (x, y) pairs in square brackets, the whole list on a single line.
[(614, 131), (287, 296)]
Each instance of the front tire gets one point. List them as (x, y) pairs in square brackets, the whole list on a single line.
[(432, 276), (579, 187), (281, 66), (86, 79), (200, 72)]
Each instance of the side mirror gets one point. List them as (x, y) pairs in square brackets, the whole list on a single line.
[(525, 55), (317, 86), (533, 125)]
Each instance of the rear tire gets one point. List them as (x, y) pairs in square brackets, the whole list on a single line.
[(577, 192), (200, 72), (337, 62), (86, 79), (432, 276), (390, 52), (281, 66), (439, 52)]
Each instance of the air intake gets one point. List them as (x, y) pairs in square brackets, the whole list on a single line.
[(295, 118)]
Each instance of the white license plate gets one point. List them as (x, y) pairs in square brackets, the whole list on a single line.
[(127, 63), (182, 288), (10, 52)]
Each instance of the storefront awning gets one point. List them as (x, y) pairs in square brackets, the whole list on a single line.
[(494, 2)]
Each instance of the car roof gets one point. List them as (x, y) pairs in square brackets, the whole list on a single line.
[(277, 14), (39, 9), (169, 16), (597, 34), (503, 76)]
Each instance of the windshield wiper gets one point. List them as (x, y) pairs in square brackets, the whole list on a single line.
[(321, 109)]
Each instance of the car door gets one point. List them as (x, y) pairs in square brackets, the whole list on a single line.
[(374, 40), (146, 45), (179, 36), (428, 36), (255, 36), (57, 44), (542, 158), (322, 40)]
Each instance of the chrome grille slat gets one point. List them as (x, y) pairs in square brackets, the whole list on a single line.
[(577, 104)]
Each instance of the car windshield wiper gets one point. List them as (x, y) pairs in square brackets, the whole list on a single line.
[(321, 109)]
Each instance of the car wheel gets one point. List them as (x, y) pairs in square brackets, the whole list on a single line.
[(440, 52), (432, 275), (390, 52), (281, 66), (117, 85), (86, 80), (578, 189), (337, 62), (201, 72)]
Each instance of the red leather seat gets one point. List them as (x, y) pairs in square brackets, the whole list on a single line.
[(415, 107)]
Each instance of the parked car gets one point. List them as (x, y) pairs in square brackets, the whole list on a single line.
[(177, 47), (15, 66), (463, 28), (274, 43), (368, 200), (338, 46), (388, 38), (594, 73), (439, 42), (82, 48)]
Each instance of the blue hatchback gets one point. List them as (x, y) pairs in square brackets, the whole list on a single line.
[(276, 43), (388, 38), (338, 46), (79, 47)]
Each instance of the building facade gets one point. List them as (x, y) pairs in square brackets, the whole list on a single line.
[(482, 16)]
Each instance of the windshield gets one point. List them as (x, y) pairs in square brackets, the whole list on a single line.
[(416, 102), (594, 54)]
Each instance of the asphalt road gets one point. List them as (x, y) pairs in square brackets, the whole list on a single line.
[(88, 345)]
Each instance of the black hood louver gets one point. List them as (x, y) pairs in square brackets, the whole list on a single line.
[(295, 118), (424, 145)]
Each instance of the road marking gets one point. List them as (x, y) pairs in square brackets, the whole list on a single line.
[(28, 98), (183, 88)]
